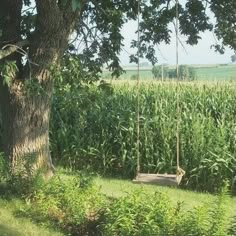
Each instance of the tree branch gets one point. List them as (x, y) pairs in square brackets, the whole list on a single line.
[(8, 50)]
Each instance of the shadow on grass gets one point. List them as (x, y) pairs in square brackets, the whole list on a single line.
[(8, 231), (6, 192)]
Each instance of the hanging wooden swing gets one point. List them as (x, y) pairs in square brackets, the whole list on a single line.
[(160, 179)]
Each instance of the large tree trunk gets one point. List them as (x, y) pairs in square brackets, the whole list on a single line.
[(25, 119), (25, 101)]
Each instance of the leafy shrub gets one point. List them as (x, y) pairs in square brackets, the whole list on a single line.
[(232, 229), (140, 214), (159, 71), (172, 74), (75, 204), (1, 133), (134, 77), (3, 168), (23, 181), (209, 219), (72, 203), (192, 74)]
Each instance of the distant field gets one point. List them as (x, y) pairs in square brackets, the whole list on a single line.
[(204, 72), (217, 72)]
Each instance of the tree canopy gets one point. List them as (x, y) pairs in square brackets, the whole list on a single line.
[(233, 58), (96, 34)]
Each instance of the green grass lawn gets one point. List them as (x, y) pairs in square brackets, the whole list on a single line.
[(114, 187), (117, 188), (13, 225)]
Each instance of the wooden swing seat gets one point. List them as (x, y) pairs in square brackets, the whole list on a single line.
[(158, 179)]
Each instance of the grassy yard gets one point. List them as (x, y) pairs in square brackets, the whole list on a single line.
[(13, 225), (118, 188)]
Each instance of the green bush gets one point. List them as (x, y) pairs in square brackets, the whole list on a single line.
[(23, 181), (3, 168), (134, 77), (71, 203), (140, 214), (160, 71), (232, 229), (192, 74), (1, 132), (76, 206)]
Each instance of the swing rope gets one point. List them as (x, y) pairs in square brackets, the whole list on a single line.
[(179, 171), (177, 88), (138, 94)]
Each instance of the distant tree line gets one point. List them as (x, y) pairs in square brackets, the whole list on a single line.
[(163, 72), (233, 58)]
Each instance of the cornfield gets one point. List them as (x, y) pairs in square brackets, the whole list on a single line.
[(95, 128)]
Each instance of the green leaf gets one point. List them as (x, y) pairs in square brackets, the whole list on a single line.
[(75, 5)]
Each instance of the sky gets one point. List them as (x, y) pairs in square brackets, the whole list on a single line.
[(198, 54)]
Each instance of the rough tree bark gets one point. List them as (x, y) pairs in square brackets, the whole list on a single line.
[(26, 111), (25, 120)]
